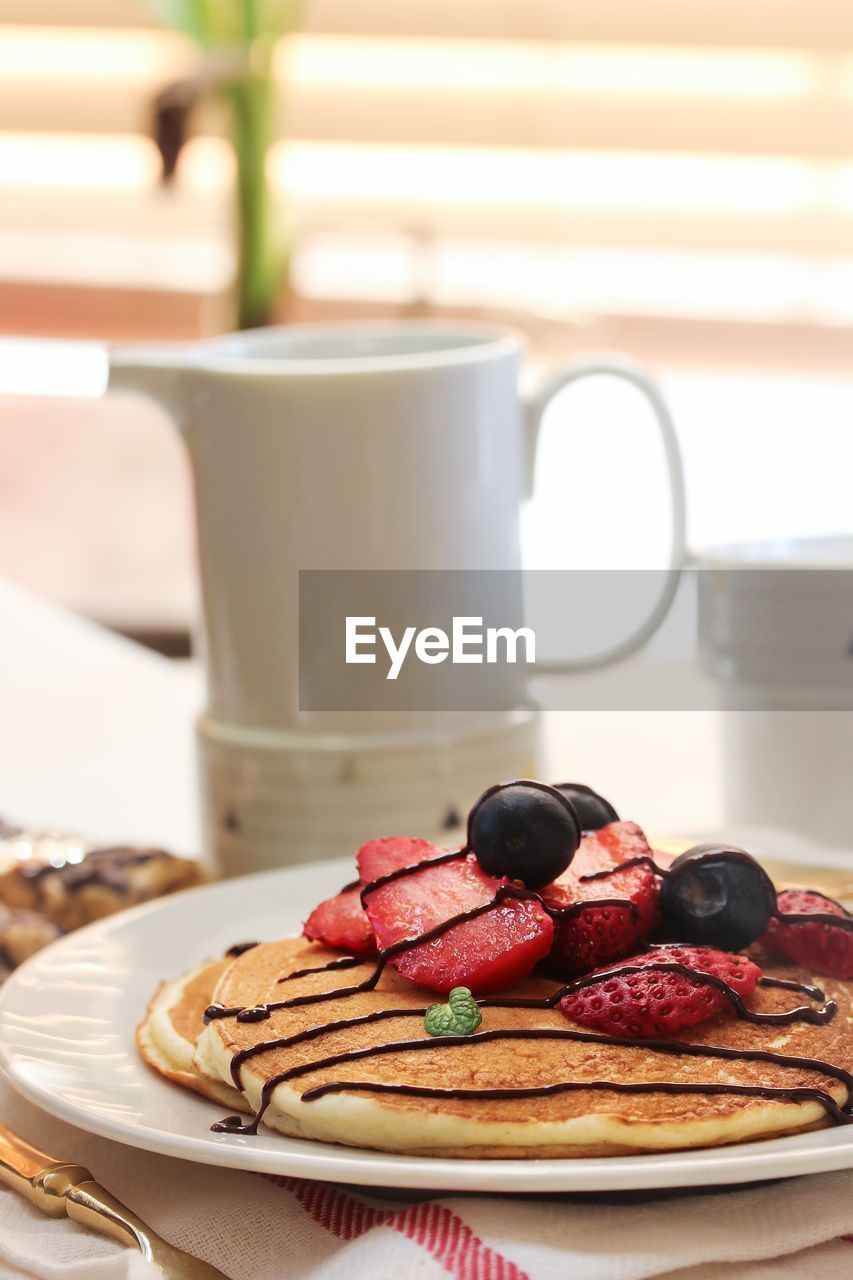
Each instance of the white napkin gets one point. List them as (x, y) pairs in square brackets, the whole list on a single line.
[(259, 1228)]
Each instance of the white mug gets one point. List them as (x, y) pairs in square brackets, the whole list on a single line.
[(399, 445)]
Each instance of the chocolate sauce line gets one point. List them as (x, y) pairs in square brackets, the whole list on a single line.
[(453, 854), (313, 1033), (402, 873), (233, 1124), (383, 1015), (506, 892), (343, 962), (496, 1002), (788, 984), (803, 1013), (258, 1013), (642, 860), (814, 917), (816, 893), (784, 917), (784, 984), (798, 1094), (240, 948)]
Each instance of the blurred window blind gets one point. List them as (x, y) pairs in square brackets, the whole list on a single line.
[(667, 160)]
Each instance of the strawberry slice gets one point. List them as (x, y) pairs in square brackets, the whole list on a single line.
[(342, 922), (652, 1003), (492, 951), (820, 946), (391, 853), (602, 934)]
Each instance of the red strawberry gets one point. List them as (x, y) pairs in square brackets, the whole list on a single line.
[(380, 857), (823, 948), (653, 1003), (600, 935), (342, 922), (492, 951)]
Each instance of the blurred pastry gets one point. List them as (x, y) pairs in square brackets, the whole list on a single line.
[(22, 934), (72, 882)]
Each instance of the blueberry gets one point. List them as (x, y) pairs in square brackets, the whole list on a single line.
[(525, 830), (718, 896), (592, 809)]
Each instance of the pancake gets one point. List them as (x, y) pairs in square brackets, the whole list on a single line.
[(584, 1121), (167, 1036)]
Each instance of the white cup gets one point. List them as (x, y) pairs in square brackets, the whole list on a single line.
[(778, 638), (359, 446)]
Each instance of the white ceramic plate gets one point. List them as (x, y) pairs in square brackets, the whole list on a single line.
[(66, 1042)]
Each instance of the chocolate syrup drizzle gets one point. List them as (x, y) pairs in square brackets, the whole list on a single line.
[(803, 1013), (844, 921), (255, 1013), (401, 873), (240, 948), (233, 1124), (796, 1094), (642, 860), (504, 1002)]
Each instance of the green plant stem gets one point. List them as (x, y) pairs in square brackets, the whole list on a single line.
[(259, 267)]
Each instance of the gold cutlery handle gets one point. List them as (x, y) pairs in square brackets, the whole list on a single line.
[(58, 1188), (61, 1189), (86, 1202), (21, 1165)]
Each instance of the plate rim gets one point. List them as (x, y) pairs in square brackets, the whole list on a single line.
[(757, 1161)]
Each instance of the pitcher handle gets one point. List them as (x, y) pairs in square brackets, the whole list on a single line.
[(153, 371), (536, 405)]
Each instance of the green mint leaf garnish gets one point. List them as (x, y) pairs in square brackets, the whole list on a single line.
[(459, 1017)]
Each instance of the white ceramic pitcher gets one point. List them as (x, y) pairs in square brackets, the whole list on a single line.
[(359, 446)]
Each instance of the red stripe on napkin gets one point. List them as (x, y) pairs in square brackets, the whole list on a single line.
[(434, 1227)]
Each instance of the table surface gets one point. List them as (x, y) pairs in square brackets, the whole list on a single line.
[(97, 730)]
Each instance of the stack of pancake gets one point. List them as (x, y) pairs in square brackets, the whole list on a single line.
[(421, 1096)]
